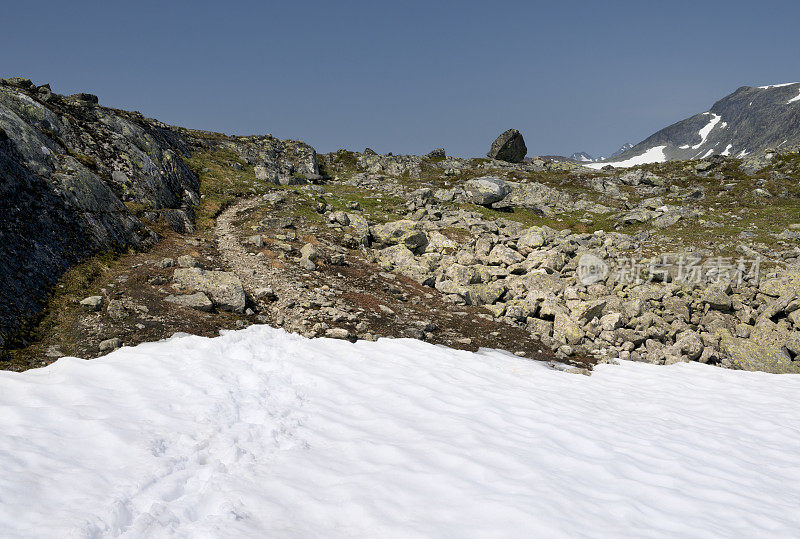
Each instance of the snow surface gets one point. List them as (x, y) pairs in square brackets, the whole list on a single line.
[(706, 129), (258, 433), (778, 85), (795, 98), (727, 150), (651, 155)]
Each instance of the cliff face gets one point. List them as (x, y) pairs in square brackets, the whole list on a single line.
[(77, 179)]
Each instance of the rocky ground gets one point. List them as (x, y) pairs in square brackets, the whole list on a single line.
[(664, 263)]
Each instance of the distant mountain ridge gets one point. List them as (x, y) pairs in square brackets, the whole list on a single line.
[(750, 120)]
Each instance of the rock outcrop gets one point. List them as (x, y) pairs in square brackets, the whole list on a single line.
[(80, 179)]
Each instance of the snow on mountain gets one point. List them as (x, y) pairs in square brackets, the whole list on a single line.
[(624, 148), (651, 155), (259, 433), (582, 156), (750, 120)]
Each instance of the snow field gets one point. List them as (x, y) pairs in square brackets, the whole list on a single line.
[(258, 433)]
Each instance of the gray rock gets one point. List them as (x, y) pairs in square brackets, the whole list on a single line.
[(116, 310), (337, 333), (509, 146), (110, 344), (92, 303), (256, 241), (502, 255), (403, 232), (198, 301), (764, 351), (716, 296), (588, 310), (486, 190), (530, 240), (225, 289), (566, 330), (188, 261)]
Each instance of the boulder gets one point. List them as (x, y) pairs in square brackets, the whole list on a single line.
[(506, 256), (588, 310), (530, 240), (404, 232), (716, 296), (486, 190), (509, 146), (224, 288), (566, 330), (764, 351), (484, 293), (92, 303), (198, 301)]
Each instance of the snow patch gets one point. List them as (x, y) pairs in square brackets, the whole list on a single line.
[(727, 150), (704, 132), (259, 433), (709, 152), (652, 155), (778, 85), (795, 98)]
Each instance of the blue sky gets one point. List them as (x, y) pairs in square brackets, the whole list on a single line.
[(406, 77)]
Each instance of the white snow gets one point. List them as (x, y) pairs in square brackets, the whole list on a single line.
[(727, 150), (704, 132), (778, 85), (651, 155), (743, 153), (709, 152), (795, 98), (259, 433)]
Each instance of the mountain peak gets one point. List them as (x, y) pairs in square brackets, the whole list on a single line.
[(750, 120)]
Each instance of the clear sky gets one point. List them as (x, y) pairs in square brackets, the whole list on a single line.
[(408, 76)]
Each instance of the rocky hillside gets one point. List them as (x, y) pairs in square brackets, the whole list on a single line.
[(79, 179), (669, 262), (747, 122)]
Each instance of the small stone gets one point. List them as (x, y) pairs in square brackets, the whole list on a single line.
[(337, 333), (92, 303), (110, 344)]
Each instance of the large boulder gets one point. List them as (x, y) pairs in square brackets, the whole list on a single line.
[(765, 350), (404, 232), (486, 190), (225, 289), (509, 146)]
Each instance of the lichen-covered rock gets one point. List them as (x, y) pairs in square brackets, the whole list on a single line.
[(565, 330), (509, 146), (404, 232), (503, 255), (716, 296), (486, 190), (763, 351)]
